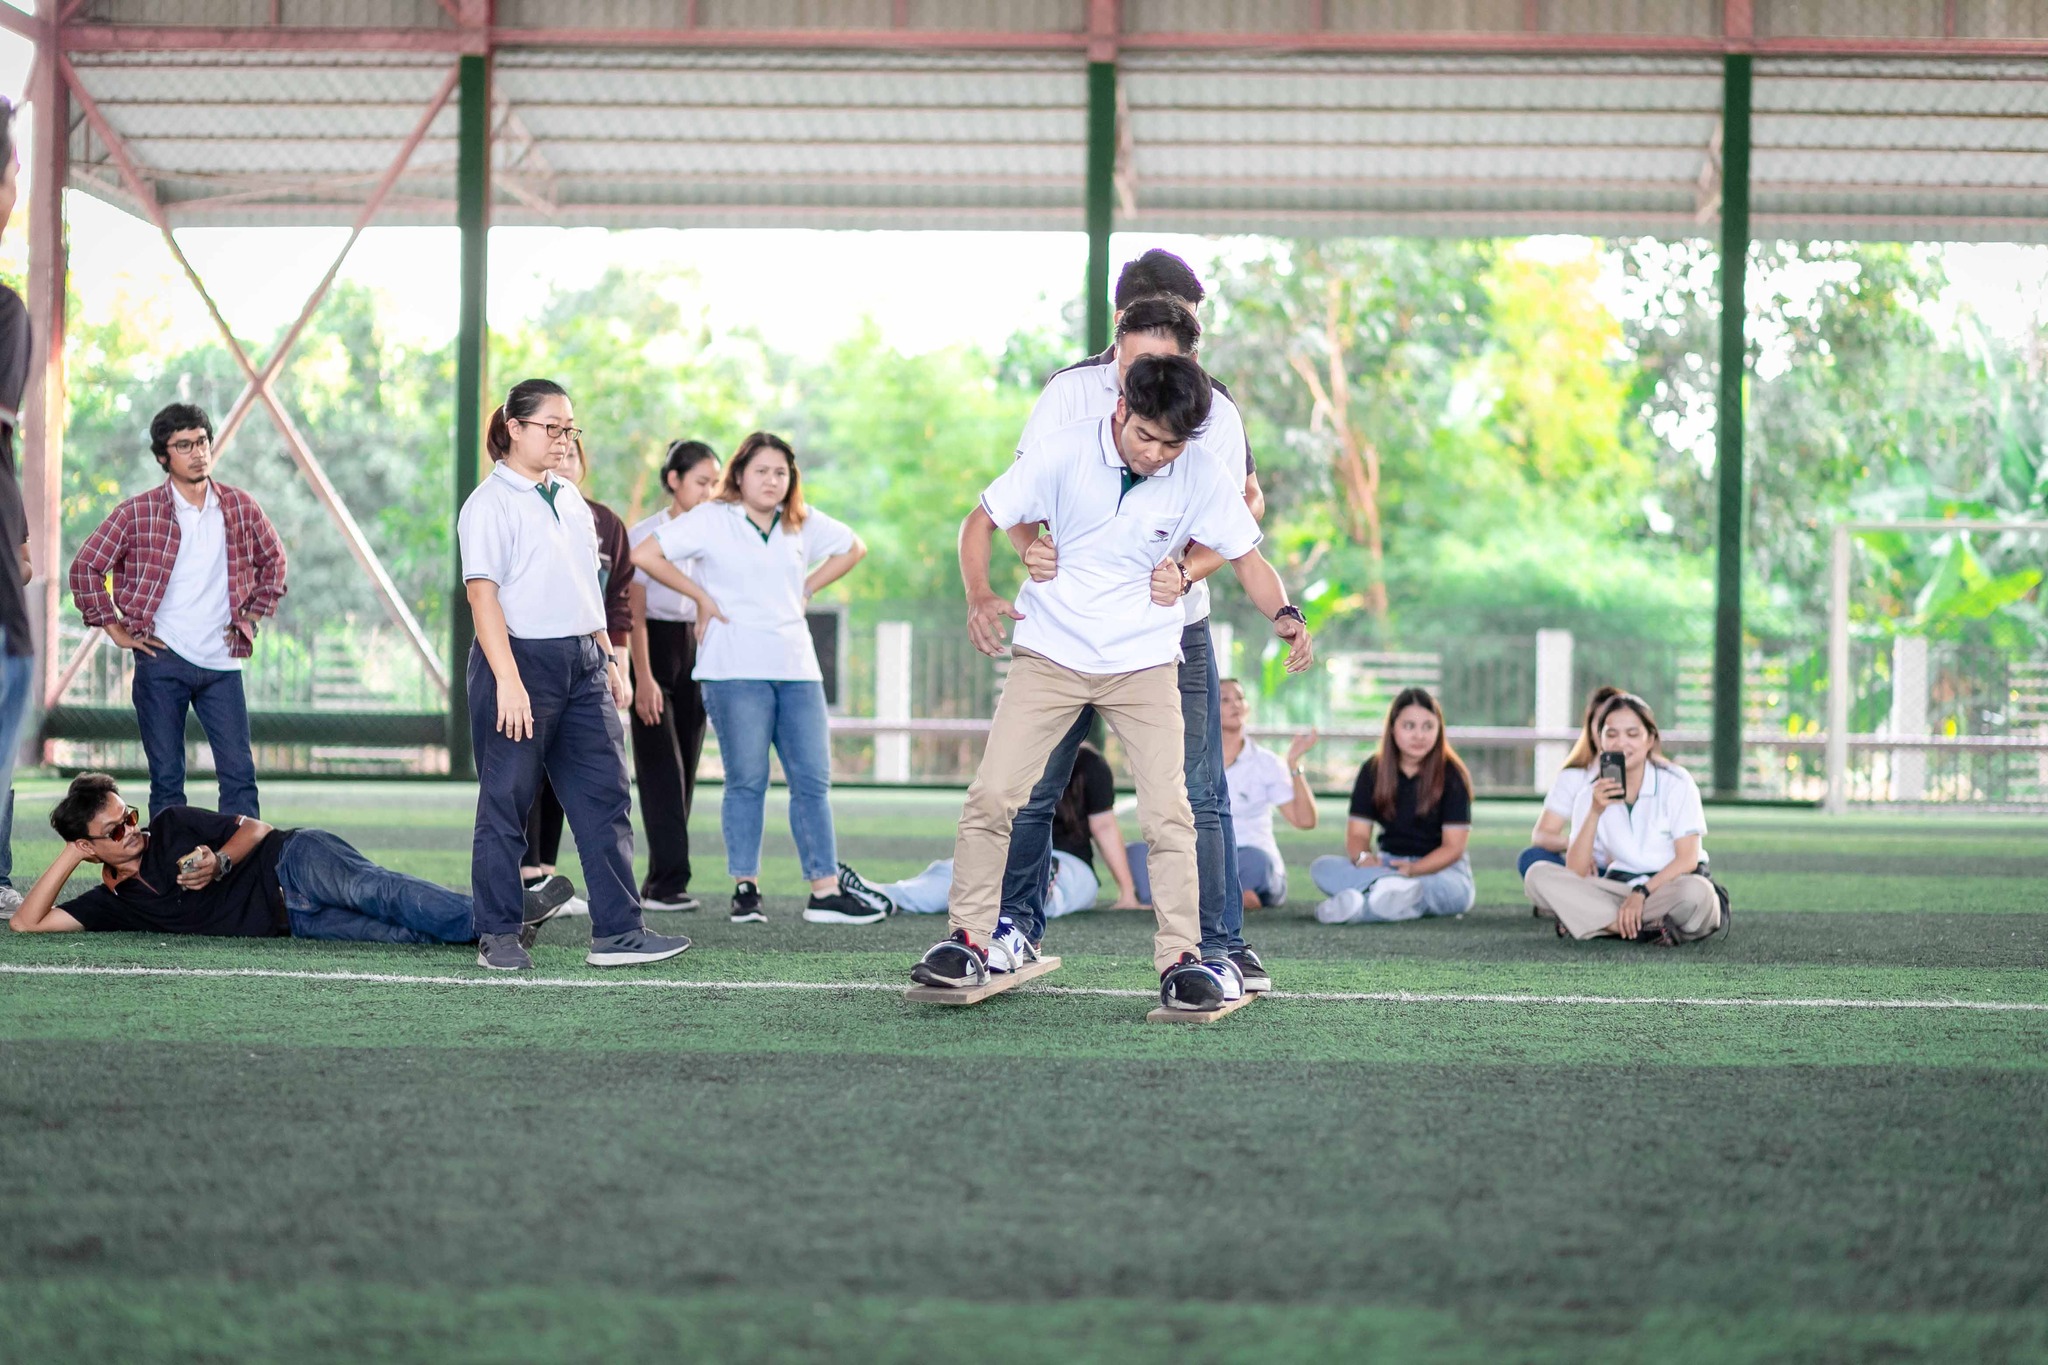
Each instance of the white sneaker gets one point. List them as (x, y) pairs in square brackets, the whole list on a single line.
[(576, 905), (1225, 971), (10, 901), (1394, 898), (1346, 907), (1007, 951)]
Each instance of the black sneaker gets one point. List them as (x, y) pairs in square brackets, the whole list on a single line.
[(746, 905), (681, 901), (541, 902), (1188, 985), (840, 908), (850, 884), (955, 962), (1252, 970)]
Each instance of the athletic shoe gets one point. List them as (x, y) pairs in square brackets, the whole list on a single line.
[(682, 901), (10, 901), (502, 953), (840, 908), (1225, 972), (1395, 898), (1251, 970), (1188, 985), (1008, 950), (634, 948), (954, 962), (541, 902), (1346, 907), (850, 884), (746, 905), (575, 906)]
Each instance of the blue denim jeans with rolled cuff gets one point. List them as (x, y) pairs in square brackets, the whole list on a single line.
[(1448, 891), (579, 743), (1028, 872), (1529, 857), (166, 686), (332, 891), (749, 715)]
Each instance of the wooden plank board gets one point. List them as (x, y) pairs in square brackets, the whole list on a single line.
[(998, 982), (1163, 1015)]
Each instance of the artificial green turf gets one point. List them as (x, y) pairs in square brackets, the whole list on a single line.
[(257, 1168)]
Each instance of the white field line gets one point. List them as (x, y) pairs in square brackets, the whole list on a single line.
[(1337, 997)]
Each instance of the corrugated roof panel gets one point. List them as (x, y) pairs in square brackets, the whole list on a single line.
[(1849, 18), (653, 122), (818, 81), (1424, 83), (1435, 128), (257, 13)]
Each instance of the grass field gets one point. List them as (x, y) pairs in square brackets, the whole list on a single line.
[(1824, 1138)]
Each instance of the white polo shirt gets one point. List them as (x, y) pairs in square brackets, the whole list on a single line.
[(193, 617), (1097, 613), (543, 558), (1090, 389), (663, 602), (1258, 781), (1565, 789), (758, 582), (1643, 838)]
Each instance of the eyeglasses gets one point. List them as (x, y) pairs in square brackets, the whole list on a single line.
[(127, 821), (187, 447), (555, 433)]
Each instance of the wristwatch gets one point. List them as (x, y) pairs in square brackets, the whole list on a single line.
[(1290, 612), (223, 865), (1187, 585)]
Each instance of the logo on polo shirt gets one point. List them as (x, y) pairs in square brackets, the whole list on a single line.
[(1162, 533)]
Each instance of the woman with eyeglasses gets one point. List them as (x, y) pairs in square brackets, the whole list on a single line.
[(757, 552), (545, 686)]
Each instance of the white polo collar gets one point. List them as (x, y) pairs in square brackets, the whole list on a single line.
[(502, 469)]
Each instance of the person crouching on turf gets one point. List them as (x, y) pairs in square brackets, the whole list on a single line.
[(1119, 502), (194, 871), (1647, 831), (1418, 793)]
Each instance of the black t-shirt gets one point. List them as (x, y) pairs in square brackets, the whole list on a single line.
[(1097, 789), (15, 348), (1409, 835), (247, 903)]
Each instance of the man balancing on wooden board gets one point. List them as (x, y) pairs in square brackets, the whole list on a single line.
[(1118, 501)]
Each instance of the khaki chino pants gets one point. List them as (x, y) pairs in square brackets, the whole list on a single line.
[(1586, 906), (1040, 700)]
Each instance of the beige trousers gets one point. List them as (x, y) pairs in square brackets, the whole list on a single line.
[(1039, 702), (1586, 906)]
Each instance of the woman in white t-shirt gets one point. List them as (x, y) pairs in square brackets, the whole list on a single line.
[(1261, 783), (1553, 831), (668, 707), (1636, 866), (756, 552)]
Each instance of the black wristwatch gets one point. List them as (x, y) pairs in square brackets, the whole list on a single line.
[(1187, 585), (223, 865), (1290, 612)]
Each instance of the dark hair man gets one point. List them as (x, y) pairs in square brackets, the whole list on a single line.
[(194, 871), (1124, 498), (17, 643), (181, 574)]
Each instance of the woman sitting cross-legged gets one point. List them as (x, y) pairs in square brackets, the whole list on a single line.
[(1646, 831), (1417, 793), (1553, 832)]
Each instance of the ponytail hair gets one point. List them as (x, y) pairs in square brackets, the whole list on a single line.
[(1588, 746), (522, 402), (684, 456)]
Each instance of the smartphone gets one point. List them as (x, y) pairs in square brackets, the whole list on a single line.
[(1613, 768), (189, 861)]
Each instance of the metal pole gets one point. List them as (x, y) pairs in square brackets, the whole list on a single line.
[(43, 402), (1837, 799), (472, 216), (1728, 426), (1101, 196)]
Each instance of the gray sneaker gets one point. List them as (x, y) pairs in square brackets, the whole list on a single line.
[(635, 947), (10, 901), (502, 953)]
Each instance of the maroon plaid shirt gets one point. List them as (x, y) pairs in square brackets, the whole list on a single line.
[(124, 566)]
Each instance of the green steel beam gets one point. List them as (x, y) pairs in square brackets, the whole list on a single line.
[(1101, 196), (1728, 649), (472, 216)]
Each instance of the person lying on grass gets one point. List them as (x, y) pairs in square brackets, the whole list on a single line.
[(194, 871)]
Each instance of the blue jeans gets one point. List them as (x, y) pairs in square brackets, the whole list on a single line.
[(1532, 856), (1029, 869), (749, 714), (165, 686), (17, 687), (1446, 892), (1074, 887), (332, 891), (1262, 876), (578, 742)]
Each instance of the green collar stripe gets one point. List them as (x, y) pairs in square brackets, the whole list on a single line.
[(548, 491), (773, 522)]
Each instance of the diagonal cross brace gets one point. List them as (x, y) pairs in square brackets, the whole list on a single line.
[(302, 454)]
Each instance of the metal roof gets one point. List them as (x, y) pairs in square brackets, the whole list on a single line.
[(1875, 119)]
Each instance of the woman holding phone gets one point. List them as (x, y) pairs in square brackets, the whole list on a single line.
[(1417, 794), (544, 686), (1641, 821), (757, 552), (668, 707)]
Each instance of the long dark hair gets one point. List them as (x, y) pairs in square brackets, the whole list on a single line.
[(1587, 745), (1070, 816), (1386, 782), (520, 404), (793, 509)]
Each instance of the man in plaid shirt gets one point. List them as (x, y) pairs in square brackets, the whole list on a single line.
[(180, 575)]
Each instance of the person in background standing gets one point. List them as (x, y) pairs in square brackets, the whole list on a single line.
[(668, 706)]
